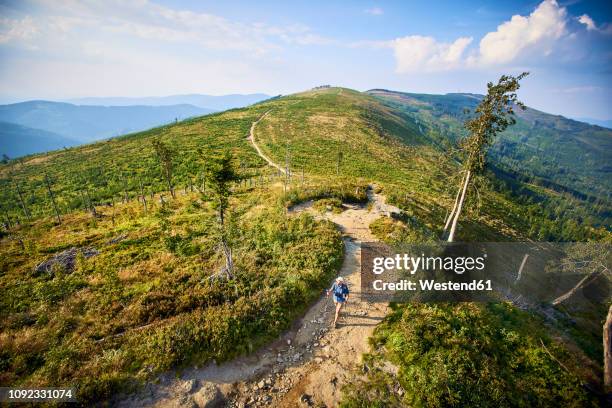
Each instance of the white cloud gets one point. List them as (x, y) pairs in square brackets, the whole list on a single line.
[(16, 30), (591, 26), (143, 20), (535, 33), (140, 47), (375, 11), (534, 36), (418, 53), (588, 22)]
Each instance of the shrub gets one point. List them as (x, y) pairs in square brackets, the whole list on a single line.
[(464, 355)]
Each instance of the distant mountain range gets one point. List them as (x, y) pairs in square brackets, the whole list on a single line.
[(17, 140), (89, 123), (39, 126), (212, 102)]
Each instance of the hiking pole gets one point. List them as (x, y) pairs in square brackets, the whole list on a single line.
[(326, 301)]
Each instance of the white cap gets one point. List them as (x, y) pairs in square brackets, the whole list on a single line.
[(339, 279)]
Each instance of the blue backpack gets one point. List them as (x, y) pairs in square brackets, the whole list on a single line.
[(340, 290)]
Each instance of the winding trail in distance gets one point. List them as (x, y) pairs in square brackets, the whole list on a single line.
[(254, 143), (307, 365)]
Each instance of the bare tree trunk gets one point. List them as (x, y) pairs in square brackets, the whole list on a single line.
[(583, 282), (113, 213), (57, 213), (452, 213), (607, 345), (229, 262), (453, 229), (171, 188), (143, 195), (125, 193), (520, 271), (92, 206), (23, 204)]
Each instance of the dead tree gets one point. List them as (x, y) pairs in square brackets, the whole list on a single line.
[(143, 196), (588, 279), (287, 166), (125, 190), (22, 202), (113, 212), (52, 197), (92, 206)]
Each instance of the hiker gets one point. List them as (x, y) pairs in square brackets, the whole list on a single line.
[(341, 295)]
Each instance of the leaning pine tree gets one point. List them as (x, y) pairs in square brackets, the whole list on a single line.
[(493, 115)]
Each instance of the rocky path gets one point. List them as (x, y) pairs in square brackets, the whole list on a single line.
[(309, 364)]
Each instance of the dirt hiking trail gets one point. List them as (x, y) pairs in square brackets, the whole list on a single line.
[(306, 366)]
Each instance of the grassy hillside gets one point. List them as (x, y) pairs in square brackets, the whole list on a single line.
[(144, 302), (138, 299)]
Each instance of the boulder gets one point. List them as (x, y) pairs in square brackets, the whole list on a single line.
[(189, 385), (65, 260), (208, 396)]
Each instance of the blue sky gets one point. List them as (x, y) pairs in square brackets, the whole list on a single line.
[(59, 49)]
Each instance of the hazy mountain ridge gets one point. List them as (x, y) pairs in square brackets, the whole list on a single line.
[(607, 123), (89, 119), (87, 123), (212, 102), (17, 140)]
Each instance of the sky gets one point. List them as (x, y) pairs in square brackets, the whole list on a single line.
[(62, 49)]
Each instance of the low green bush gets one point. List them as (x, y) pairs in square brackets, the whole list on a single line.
[(146, 303), (464, 355), (329, 204)]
